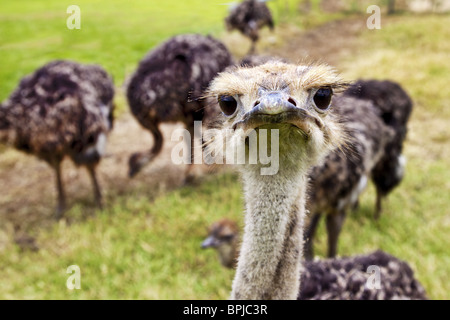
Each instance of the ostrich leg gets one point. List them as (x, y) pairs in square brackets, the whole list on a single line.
[(188, 174), (334, 226), (252, 48), (61, 207), (378, 204), (309, 236), (97, 191), (139, 160)]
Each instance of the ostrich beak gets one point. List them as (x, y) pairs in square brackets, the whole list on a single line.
[(210, 242), (277, 107)]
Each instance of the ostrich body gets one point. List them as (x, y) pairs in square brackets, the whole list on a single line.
[(376, 113), (348, 278), (62, 109), (166, 84), (248, 17), (337, 183), (337, 278), (395, 107), (295, 100)]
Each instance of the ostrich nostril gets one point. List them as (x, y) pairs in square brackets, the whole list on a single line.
[(256, 103), (292, 101)]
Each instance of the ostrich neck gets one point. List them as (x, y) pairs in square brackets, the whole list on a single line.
[(269, 263)]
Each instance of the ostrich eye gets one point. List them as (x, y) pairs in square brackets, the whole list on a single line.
[(228, 104), (322, 98), (227, 237)]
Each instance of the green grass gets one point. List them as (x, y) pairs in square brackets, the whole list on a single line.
[(134, 249), (414, 51), (150, 248), (116, 34)]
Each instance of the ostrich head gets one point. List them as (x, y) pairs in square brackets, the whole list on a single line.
[(295, 100), (293, 104), (223, 236)]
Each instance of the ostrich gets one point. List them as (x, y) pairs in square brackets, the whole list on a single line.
[(294, 102), (166, 84), (224, 237), (62, 109), (341, 279), (395, 107), (336, 183), (248, 17), (348, 278), (375, 153)]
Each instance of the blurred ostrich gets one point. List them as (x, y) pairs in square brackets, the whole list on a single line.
[(249, 17), (338, 278), (62, 109), (167, 83), (223, 235), (395, 107), (336, 184), (375, 153)]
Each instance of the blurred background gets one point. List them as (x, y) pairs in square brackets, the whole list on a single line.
[(145, 242)]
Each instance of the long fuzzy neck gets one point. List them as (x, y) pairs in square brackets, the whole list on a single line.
[(269, 263)]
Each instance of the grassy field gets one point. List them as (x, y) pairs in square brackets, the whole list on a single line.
[(145, 244), (115, 35)]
